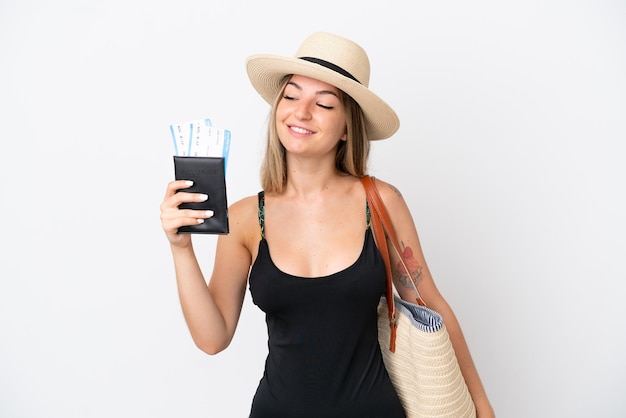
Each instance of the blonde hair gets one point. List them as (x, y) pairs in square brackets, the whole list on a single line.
[(351, 157)]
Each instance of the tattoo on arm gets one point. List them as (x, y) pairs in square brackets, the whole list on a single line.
[(395, 190), (415, 269)]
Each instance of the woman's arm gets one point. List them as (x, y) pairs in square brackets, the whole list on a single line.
[(419, 274), (211, 311)]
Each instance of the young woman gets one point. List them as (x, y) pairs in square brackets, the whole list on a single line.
[(305, 248)]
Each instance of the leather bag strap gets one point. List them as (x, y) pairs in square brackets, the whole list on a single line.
[(383, 231), (379, 233)]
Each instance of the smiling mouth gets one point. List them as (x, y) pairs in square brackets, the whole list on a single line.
[(300, 130)]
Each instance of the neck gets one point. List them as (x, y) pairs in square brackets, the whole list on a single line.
[(309, 178)]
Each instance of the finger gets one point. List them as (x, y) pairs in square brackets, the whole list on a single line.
[(176, 185), (171, 226), (174, 219), (196, 214), (175, 200)]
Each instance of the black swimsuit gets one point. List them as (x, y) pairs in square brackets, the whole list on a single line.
[(324, 359)]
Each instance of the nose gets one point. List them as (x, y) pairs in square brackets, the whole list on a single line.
[(303, 110)]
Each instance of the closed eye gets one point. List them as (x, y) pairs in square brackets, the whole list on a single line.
[(323, 106)]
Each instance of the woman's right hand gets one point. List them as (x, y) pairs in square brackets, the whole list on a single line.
[(173, 218)]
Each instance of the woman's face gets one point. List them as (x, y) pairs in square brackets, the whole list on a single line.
[(310, 117)]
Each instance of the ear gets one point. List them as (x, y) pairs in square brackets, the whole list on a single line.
[(344, 137)]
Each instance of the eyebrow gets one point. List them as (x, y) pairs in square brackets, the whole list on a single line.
[(296, 85)]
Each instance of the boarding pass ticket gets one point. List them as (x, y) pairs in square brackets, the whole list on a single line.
[(199, 138)]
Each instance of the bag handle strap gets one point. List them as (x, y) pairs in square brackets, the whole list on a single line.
[(380, 213), (383, 230), (379, 233)]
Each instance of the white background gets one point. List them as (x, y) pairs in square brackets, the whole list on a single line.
[(510, 154)]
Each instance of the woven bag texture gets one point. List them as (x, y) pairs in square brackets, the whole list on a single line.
[(423, 369)]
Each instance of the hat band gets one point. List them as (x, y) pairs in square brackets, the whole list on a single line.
[(330, 66)]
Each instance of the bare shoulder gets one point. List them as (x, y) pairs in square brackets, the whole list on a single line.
[(243, 213), (391, 195), (243, 222), (244, 205)]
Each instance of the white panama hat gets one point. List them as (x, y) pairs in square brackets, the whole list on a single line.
[(334, 60)]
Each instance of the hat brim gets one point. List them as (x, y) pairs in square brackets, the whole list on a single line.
[(267, 71)]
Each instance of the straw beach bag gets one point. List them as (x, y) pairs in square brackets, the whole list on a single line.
[(415, 344)]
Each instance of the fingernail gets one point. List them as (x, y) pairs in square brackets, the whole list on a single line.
[(189, 183), (200, 221), (209, 213), (202, 197)]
